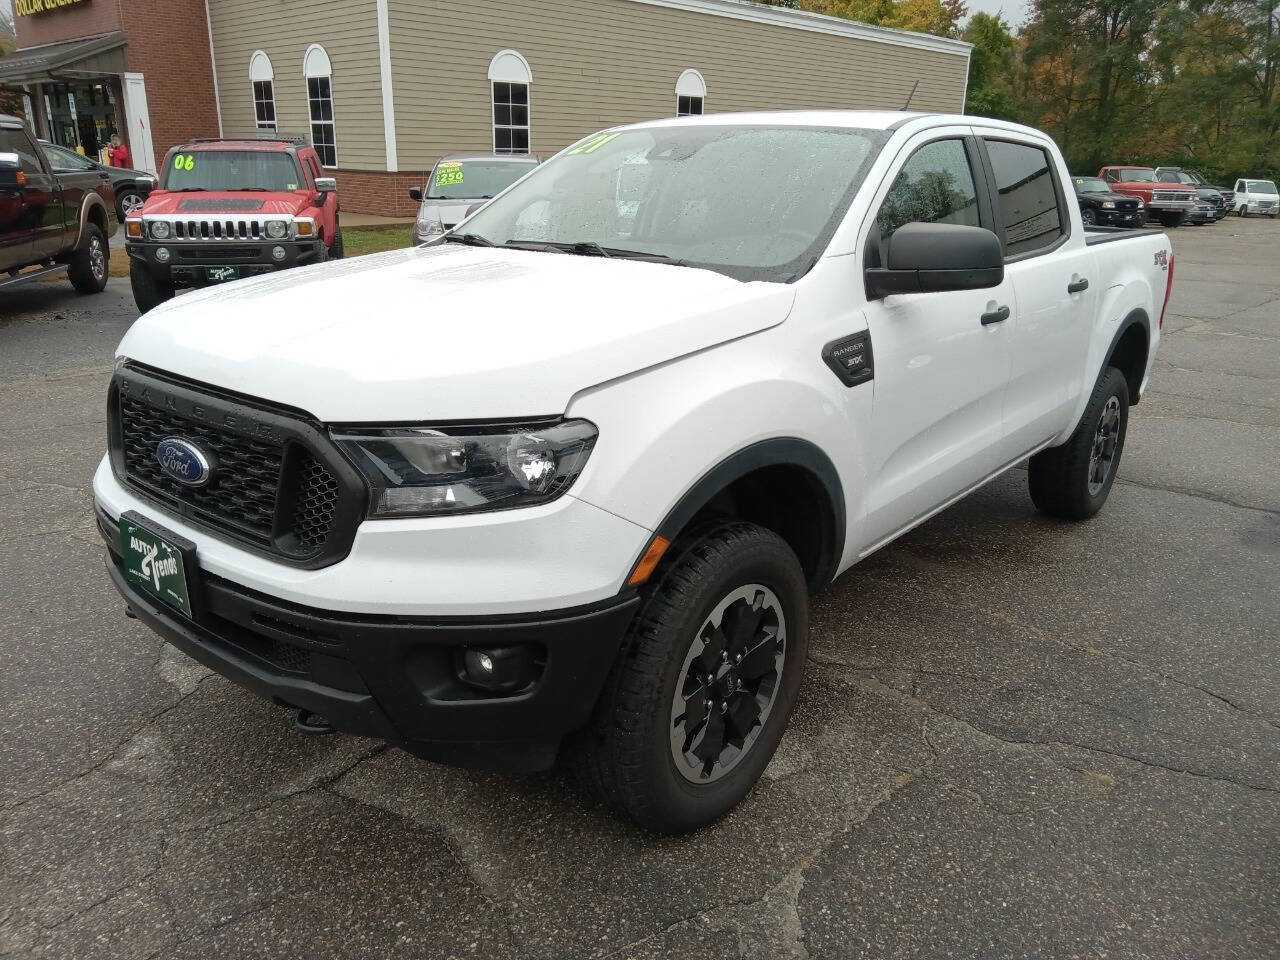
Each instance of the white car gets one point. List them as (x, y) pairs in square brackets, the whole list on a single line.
[(564, 483), (1256, 196)]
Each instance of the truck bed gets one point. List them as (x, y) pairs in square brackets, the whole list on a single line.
[(1098, 234)]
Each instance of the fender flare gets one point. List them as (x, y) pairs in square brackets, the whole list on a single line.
[(91, 200), (1136, 318), (775, 452)]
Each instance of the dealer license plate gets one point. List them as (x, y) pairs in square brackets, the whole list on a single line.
[(221, 274), (156, 561)]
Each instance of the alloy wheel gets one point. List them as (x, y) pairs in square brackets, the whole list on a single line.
[(97, 259), (131, 203), (1106, 440), (728, 683)]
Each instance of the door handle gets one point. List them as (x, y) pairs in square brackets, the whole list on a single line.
[(1078, 285), (997, 315)]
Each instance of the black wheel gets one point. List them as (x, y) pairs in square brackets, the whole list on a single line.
[(1072, 481), (335, 249), (703, 688), (1244, 210), (148, 292), (87, 268), (1089, 217), (1171, 220), (128, 201)]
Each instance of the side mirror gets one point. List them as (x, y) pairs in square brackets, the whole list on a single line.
[(9, 161), (474, 207), (935, 257), (415, 194), (326, 185)]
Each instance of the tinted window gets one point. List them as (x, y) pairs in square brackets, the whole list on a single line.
[(231, 170), (61, 158), (1028, 203), (15, 141), (934, 186)]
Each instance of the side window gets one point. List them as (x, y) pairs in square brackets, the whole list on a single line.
[(935, 185), (15, 141), (1027, 204), (61, 160), (1112, 176)]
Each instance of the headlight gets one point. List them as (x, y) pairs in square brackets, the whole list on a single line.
[(1141, 205), (1108, 205), (277, 229), (160, 230), (416, 472), (428, 228)]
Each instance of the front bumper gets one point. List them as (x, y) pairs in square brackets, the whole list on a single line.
[(1119, 218), (190, 261), (394, 677)]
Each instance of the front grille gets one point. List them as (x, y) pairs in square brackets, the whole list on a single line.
[(1127, 206), (219, 230), (1171, 196), (276, 482), (203, 253)]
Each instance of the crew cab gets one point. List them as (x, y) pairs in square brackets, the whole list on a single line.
[(51, 222), (1170, 203), (563, 484), (226, 209)]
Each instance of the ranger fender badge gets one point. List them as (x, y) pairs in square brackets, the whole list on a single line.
[(850, 358)]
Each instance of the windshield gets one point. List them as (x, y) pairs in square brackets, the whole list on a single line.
[(1261, 186), (1138, 176), (752, 202), (232, 170), (62, 159), (474, 179), (1091, 185)]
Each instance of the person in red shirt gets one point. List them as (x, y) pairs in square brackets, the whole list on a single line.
[(119, 152)]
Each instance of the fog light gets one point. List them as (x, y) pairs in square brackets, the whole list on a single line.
[(162, 255), (277, 254), (499, 669)]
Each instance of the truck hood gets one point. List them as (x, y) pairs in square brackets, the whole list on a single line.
[(205, 202), (447, 333), (448, 212)]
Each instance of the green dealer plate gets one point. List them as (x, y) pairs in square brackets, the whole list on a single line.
[(157, 561), (221, 274)]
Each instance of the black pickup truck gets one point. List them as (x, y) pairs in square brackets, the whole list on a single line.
[(51, 222)]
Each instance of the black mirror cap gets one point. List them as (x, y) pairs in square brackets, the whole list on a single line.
[(472, 208), (936, 257), (415, 194)]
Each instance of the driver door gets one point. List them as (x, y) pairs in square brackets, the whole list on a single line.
[(941, 359)]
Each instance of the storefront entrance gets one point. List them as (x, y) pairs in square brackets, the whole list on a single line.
[(83, 115)]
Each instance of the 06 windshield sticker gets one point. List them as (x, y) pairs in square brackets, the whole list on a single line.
[(184, 161), (594, 144), (448, 174)]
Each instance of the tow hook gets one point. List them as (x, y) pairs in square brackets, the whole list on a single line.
[(312, 724)]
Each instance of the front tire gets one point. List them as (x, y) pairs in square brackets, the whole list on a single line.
[(1244, 210), (88, 267), (148, 292), (1089, 217), (336, 249), (127, 202), (705, 683), (1171, 220), (1072, 481)]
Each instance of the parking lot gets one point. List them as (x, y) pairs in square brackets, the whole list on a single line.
[(1016, 737)]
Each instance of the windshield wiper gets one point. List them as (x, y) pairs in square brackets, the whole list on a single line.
[(540, 246), (589, 248), (471, 239)]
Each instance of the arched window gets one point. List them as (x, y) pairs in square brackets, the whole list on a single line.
[(691, 93), (263, 78), (510, 79), (319, 73)]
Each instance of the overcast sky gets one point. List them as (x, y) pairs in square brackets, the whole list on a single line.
[(1013, 11)]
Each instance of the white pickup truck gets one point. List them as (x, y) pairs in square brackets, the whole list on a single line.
[(564, 483)]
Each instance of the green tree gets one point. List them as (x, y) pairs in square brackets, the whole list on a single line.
[(991, 67)]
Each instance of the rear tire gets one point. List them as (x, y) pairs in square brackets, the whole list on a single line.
[(662, 747), (88, 267), (1072, 481), (148, 292)]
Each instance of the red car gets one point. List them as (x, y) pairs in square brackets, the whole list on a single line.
[(1167, 202), (226, 209)]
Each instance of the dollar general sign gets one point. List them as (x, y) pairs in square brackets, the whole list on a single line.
[(28, 8)]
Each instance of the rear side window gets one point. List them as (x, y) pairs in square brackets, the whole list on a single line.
[(15, 141), (1027, 201), (935, 185)]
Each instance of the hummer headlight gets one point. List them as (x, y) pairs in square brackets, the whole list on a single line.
[(160, 230), (277, 229)]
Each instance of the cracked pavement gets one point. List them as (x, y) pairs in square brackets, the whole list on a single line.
[(1016, 737)]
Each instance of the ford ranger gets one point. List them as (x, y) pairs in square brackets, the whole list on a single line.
[(227, 209), (564, 483)]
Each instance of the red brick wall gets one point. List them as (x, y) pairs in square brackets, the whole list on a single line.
[(385, 194), (87, 19), (168, 42)]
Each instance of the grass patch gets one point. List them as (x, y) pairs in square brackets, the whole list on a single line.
[(357, 240)]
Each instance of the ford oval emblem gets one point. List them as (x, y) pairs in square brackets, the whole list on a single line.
[(183, 461)]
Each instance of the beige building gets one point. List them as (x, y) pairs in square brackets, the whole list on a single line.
[(385, 87)]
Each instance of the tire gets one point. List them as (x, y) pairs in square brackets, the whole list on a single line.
[(628, 752), (1065, 480), (1089, 217), (336, 249), (148, 292), (88, 267), (1244, 210), (128, 201), (1171, 220)]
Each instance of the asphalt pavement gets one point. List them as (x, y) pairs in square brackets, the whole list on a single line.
[(1016, 737)]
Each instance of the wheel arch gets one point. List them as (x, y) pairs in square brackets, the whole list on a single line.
[(93, 210), (1129, 351), (785, 484)]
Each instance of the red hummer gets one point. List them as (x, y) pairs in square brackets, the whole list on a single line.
[(1167, 202), (226, 209)]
